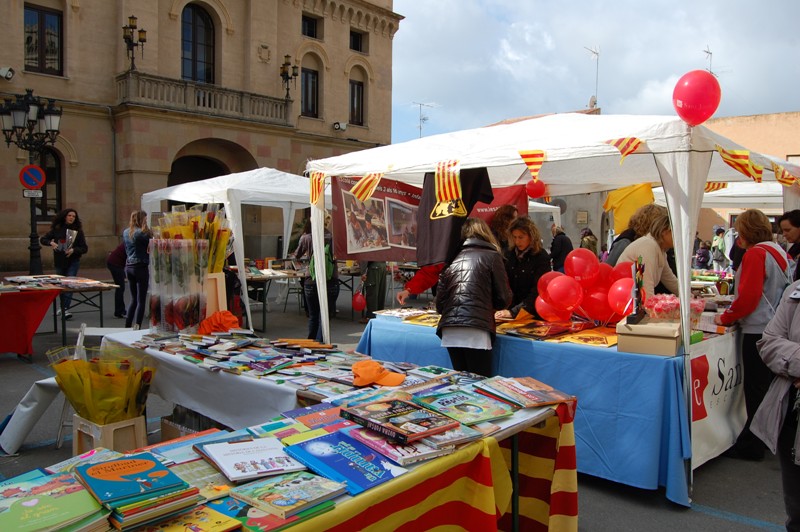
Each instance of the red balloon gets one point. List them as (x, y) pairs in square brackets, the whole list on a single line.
[(696, 96), (544, 280), (622, 271), (620, 296), (535, 189), (359, 302), (595, 304), (565, 293), (583, 265), (604, 275), (549, 313)]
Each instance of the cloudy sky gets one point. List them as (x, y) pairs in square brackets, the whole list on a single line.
[(475, 62)]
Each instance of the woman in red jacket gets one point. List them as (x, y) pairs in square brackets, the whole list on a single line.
[(760, 281)]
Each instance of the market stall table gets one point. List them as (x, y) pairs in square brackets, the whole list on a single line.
[(631, 425), (232, 400), (262, 283), (21, 313)]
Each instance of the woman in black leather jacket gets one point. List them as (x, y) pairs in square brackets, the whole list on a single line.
[(470, 290)]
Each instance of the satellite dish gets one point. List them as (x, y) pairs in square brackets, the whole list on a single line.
[(561, 204), (593, 102)]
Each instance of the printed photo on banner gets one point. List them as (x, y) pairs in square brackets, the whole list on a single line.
[(366, 224), (402, 223)]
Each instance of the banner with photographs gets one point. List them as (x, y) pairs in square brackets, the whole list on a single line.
[(382, 228), (385, 226)]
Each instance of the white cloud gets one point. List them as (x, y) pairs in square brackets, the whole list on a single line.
[(482, 61)]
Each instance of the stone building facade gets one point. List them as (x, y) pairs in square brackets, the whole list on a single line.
[(206, 98)]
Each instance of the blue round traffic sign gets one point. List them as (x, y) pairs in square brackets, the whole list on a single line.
[(32, 177)]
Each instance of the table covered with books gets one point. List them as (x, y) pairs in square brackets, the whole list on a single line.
[(631, 424), (430, 493)]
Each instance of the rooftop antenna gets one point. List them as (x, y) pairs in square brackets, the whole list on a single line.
[(422, 118), (709, 56), (595, 51)]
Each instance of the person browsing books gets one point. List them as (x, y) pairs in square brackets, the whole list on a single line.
[(759, 283), (68, 242), (525, 262), (136, 239), (470, 290)]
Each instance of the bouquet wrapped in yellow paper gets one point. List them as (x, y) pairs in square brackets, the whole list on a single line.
[(104, 385)]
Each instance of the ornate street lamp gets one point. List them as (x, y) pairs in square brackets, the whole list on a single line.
[(31, 125), (131, 40), (289, 73)]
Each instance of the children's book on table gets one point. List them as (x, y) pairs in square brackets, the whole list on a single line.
[(289, 494), (466, 407), (251, 459), (399, 420)]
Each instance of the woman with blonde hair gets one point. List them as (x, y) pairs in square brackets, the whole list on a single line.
[(469, 292), (759, 283), (638, 226), (136, 239), (652, 248), (525, 262)]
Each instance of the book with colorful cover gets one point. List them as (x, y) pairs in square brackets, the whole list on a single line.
[(257, 520), (330, 388), (198, 519), (400, 421), (598, 337), (44, 502), (338, 457), (317, 432), (525, 392), (466, 407), (417, 451), (251, 459), (303, 410), (98, 454), (320, 417), (431, 371), (458, 435), (428, 320), (240, 435), (289, 494), (119, 480), (209, 481)]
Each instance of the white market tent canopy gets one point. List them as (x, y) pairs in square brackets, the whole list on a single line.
[(265, 187), (578, 159), (749, 195), (553, 210)]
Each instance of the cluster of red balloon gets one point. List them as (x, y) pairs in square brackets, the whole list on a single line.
[(588, 288)]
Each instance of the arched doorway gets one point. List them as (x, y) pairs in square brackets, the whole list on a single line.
[(194, 168)]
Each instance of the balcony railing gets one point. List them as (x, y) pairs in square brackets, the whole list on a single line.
[(166, 93)]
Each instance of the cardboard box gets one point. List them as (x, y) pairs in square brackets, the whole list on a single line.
[(706, 324), (649, 338), (171, 430)]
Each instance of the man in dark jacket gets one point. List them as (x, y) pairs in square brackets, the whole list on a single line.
[(559, 248)]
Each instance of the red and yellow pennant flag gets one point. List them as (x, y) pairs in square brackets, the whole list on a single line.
[(740, 161), (366, 186), (783, 176), (534, 159), (447, 181), (317, 188), (626, 146), (713, 186)]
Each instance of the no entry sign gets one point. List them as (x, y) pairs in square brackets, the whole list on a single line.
[(32, 177)]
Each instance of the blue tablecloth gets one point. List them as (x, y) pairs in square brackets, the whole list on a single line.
[(631, 425)]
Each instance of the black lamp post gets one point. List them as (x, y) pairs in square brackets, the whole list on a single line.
[(131, 40), (31, 125), (289, 73)]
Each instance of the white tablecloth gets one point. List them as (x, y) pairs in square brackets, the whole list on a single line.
[(232, 400)]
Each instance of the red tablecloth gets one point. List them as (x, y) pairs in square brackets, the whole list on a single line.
[(20, 315)]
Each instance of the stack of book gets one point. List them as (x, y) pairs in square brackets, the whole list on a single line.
[(37, 501), (137, 489), (523, 392)]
